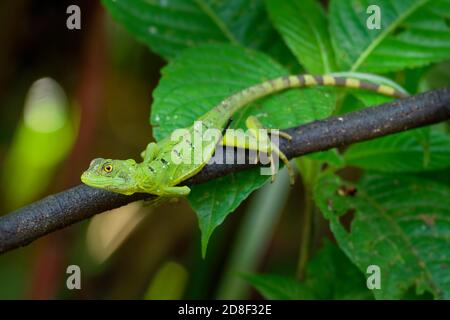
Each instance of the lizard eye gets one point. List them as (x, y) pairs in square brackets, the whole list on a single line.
[(108, 168)]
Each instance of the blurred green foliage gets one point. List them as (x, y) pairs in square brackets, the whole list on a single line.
[(42, 140)]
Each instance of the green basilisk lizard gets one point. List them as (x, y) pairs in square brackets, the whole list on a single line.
[(160, 175)]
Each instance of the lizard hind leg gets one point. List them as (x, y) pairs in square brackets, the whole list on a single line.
[(260, 141), (263, 138)]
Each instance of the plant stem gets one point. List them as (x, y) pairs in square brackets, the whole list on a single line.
[(306, 236), (309, 169)]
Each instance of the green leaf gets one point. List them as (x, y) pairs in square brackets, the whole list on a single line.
[(400, 223), (214, 200), (169, 26), (331, 157), (413, 33), (438, 76), (440, 176), (188, 89), (401, 152), (199, 79), (304, 26), (371, 99), (330, 275), (277, 287)]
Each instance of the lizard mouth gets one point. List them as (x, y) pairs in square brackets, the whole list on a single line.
[(88, 179), (97, 181)]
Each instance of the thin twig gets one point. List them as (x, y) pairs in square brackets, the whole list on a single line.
[(57, 211)]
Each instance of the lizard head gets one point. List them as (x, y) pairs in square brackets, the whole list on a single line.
[(113, 175)]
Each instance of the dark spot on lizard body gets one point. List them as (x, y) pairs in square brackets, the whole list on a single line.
[(189, 143), (177, 153)]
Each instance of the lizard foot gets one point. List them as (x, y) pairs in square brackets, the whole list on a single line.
[(260, 141)]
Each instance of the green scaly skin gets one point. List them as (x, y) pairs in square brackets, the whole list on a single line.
[(157, 174)]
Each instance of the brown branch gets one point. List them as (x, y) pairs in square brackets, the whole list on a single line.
[(57, 211)]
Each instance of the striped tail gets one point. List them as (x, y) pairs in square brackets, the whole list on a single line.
[(308, 80), (240, 99)]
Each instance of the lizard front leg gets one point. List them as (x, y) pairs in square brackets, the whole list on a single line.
[(176, 191), (150, 152)]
